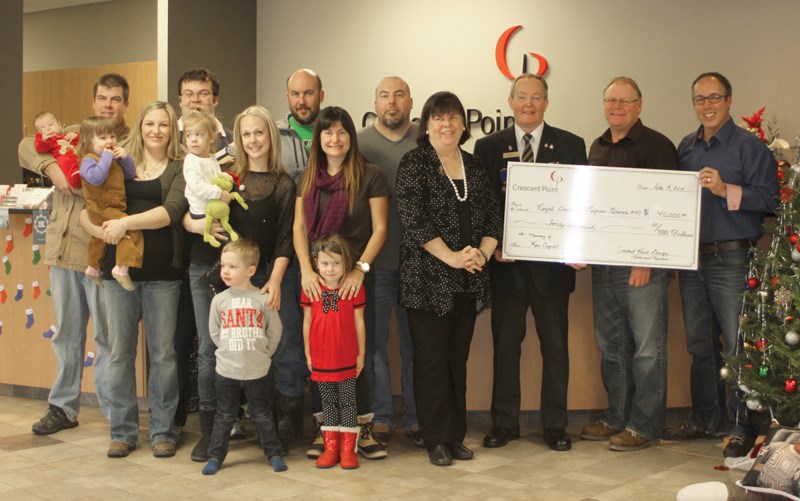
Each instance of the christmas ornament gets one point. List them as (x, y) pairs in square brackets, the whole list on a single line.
[(725, 373), (748, 366), (794, 237), (774, 281), (792, 338), (762, 344), (744, 389), (752, 282), (790, 385), (763, 294), (755, 405), (783, 296), (763, 371), (795, 256), (748, 345)]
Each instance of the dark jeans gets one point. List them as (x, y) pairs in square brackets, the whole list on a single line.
[(258, 392), (441, 350), (712, 303)]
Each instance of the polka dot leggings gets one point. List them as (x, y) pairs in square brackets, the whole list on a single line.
[(339, 403)]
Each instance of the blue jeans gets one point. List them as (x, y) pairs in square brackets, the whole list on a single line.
[(386, 300), (290, 359), (630, 325), (712, 303), (206, 360), (75, 298), (258, 393), (156, 303)]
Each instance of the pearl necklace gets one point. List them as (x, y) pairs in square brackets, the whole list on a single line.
[(453, 183)]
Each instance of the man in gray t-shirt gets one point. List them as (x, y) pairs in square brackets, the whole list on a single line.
[(384, 144)]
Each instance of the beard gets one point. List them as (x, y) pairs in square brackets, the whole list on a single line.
[(393, 122), (312, 116)]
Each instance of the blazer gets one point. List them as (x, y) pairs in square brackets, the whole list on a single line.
[(555, 146)]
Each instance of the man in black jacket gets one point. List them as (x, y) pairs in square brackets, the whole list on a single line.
[(541, 286)]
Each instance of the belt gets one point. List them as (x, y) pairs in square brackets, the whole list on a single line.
[(717, 247)]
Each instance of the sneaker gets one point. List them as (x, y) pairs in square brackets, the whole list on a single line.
[(382, 433), (628, 440), (238, 431), (317, 446), (598, 431), (53, 420), (415, 436), (738, 446), (684, 431), (367, 445)]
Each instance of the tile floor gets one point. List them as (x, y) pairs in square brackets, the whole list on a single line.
[(72, 465)]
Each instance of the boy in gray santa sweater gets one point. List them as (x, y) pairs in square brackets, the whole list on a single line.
[(246, 333)]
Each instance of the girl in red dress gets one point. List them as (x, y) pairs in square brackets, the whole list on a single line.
[(334, 333)]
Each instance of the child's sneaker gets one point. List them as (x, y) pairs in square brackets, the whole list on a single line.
[(278, 464), (211, 468)]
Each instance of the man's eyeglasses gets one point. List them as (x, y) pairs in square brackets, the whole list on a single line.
[(614, 101), (189, 94), (713, 99)]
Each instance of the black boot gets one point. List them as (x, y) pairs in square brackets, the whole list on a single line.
[(290, 418), (200, 451)]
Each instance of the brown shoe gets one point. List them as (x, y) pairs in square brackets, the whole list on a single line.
[(598, 431), (119, 449), (628, 440), (164, 449), (124, 280)]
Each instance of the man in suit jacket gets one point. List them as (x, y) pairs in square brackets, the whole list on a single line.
[(516, 286)]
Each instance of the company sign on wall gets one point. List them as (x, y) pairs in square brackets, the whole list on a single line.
[(489, 123)]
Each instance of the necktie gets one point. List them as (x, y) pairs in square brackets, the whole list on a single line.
[(527, 150)]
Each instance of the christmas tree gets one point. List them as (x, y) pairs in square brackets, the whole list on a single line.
[(766, 365)]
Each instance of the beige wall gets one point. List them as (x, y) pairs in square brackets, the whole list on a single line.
[(120, 31), (450, 44)]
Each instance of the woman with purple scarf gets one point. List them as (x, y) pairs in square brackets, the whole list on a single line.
[(340, 193)]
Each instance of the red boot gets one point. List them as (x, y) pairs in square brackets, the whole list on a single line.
[(349, 442), (329, 458)]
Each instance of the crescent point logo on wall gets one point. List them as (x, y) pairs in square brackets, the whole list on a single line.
[(502, 63)]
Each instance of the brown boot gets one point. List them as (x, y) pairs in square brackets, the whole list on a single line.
[(329, 458), (349, 442)]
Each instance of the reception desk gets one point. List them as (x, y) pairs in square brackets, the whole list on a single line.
[(28, 322)]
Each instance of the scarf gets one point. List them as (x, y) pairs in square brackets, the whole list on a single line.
[(332, 218)]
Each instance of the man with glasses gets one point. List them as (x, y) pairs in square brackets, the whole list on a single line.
[(198, 88), (630, 302), (739, 184), (544, 288)]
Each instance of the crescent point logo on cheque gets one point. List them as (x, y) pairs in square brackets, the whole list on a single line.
[(555, 177), (500, 55)]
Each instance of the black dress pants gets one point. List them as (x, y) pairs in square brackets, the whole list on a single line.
[(441, 350), (550, 313)]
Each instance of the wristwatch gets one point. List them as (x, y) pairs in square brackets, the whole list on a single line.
[(363, 267)]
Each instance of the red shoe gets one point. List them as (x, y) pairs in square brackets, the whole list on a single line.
[(349, 442), (329, 458)]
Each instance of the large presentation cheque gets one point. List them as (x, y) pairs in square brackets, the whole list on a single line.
[(602, 215)]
